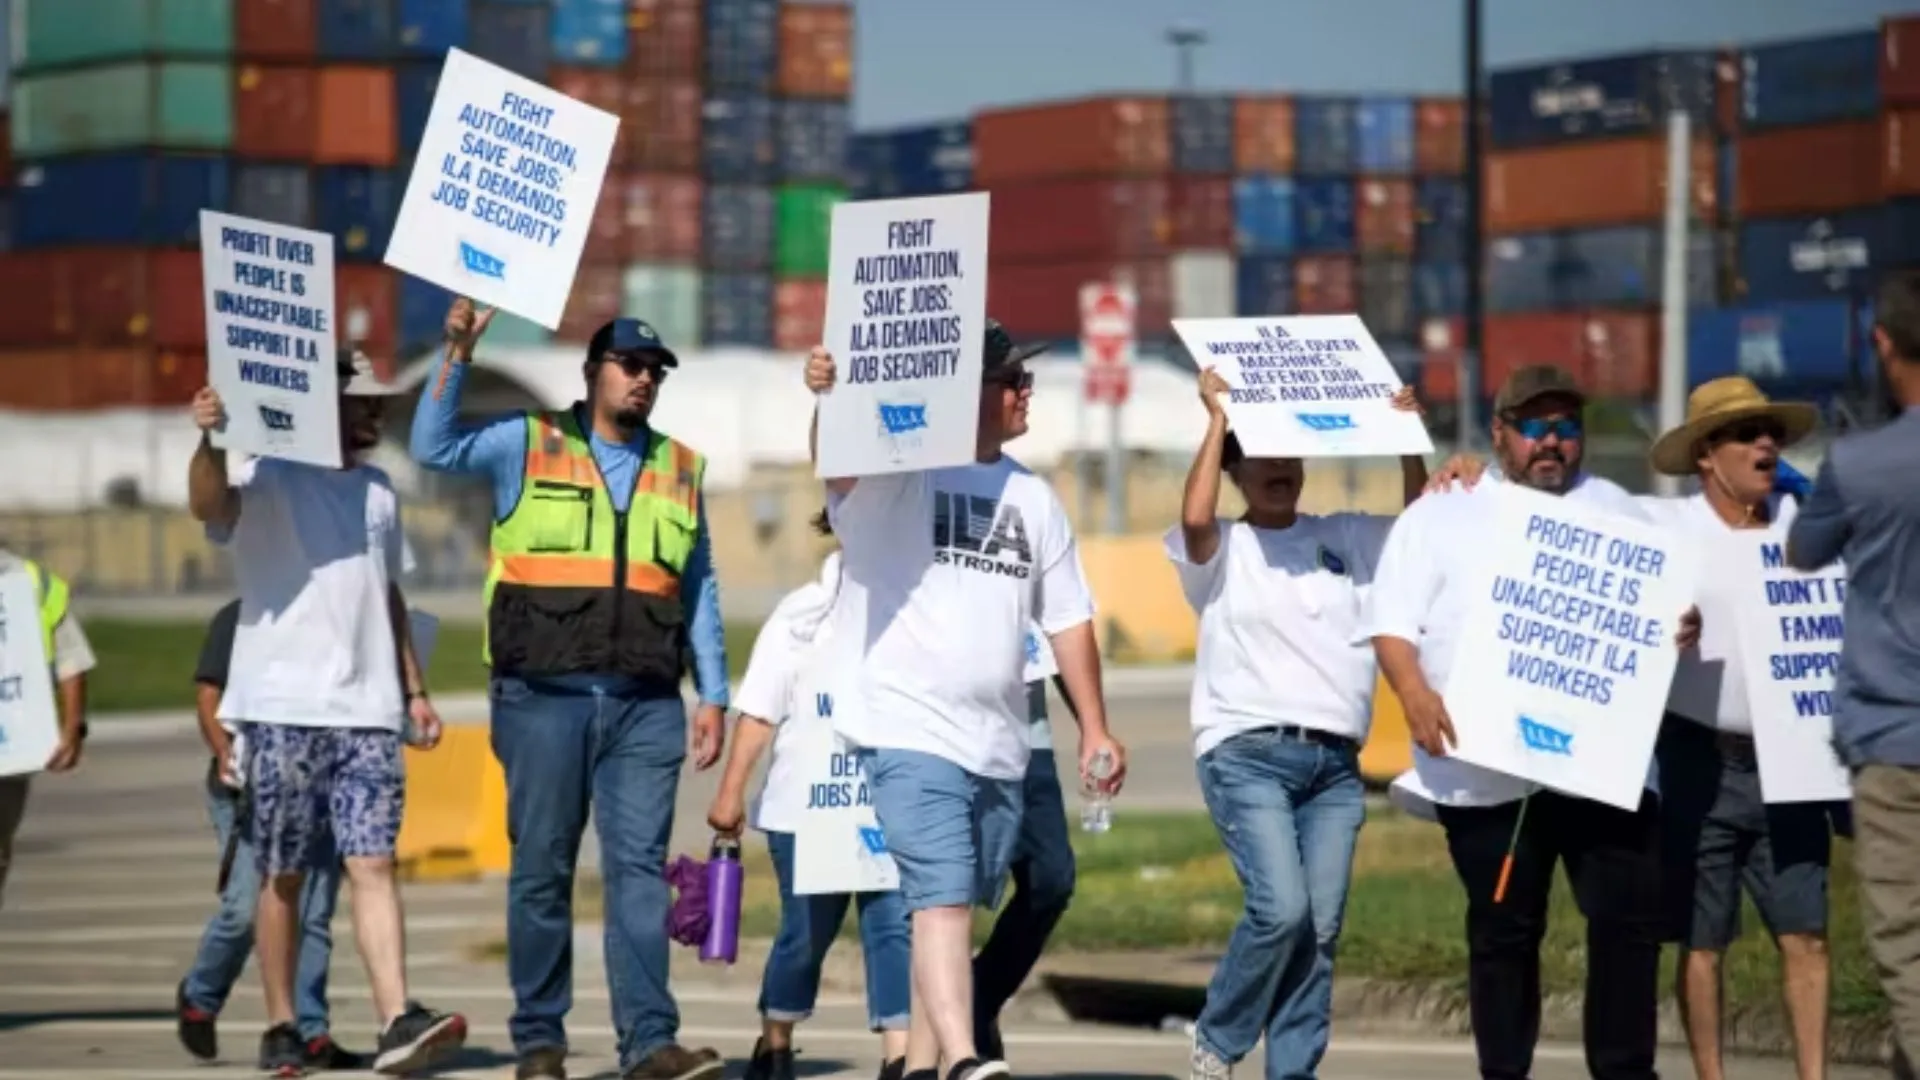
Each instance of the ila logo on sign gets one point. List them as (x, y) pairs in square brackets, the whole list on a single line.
[(482, 263), (1544, 738), (1328, 421)]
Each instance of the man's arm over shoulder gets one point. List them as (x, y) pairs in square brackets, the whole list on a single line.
[(706, 631), (1823, 526)]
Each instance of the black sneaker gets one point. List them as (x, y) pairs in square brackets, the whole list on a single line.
[(542, 1063), (894, 1070), (417, 1038), (325, 1055), (281, 1052), (976, 1069), (195, 1026), (676, 1062), (986, 1039), (918, 1074), (767, 1064)]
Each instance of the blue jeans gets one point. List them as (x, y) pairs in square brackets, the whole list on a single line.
[(228, 940), (808, 925), (1288, 811), (1043, 879), (951, 833), (564, 745)]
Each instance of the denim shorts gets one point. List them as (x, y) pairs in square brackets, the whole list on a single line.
[(951, 833)]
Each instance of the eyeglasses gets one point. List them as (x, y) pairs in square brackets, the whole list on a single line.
[(636, 363), (1566, 429), (1017, 381), (1747, 432)]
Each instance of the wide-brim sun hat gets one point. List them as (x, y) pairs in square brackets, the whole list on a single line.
[(1721, 402), (357, 378)]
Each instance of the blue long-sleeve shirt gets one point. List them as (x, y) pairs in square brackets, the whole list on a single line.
[(497, 449)]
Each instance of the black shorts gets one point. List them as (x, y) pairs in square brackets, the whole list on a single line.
[(1719, 834)]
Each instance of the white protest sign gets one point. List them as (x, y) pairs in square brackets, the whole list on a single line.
[(1041, 666), (1306, 386), (906, 319), (837, 843), (503, 190), (29, 719), (1566, 652), (271, 352), (1789, 630)]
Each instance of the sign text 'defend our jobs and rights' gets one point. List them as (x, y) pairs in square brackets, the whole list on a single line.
[(838, 846), (1790, 626), (503, 190)]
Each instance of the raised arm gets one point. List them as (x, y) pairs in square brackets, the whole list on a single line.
[(1200, 503), (211, 496), (820, 375), (438, 441)]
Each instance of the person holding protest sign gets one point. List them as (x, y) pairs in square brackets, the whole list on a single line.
[(602, 580), (1282, 699), (943, 572), (64, 644), (786, 699), (323, 682), (1865, 509), (1504, 838)]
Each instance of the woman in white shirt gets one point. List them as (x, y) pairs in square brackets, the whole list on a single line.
[(1282, 699), (786, 698)]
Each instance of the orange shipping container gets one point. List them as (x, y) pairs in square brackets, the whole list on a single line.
[(1125, 136), (1514, 341), (129, 296), (1900, 61), (365, 297), (36, 380), (38, 310), (799, 315), (274, 29), (662, 218), (1440, 137), (816, 50), (604, 89), (356, 117), (1611, 354), (1816, 169), (1325, 285), (1901, 138), (664, 115), (1263, 134), (664, 38), (1043, 300), (1384, 212), (273, 112), (1591, 184)]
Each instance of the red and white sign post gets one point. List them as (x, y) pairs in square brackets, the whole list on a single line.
[(1107, 328)]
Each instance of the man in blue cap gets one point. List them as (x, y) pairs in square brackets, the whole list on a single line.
[(601, 582)]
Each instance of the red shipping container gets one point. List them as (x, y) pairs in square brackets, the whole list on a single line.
[(1123, 136), (662, 217), (664, 115), (1325, 285), (607, 232), (273, 112), (816, 50), (1263, 134), (596, 300), (38, 310), (1817, 169), (1592, 184), (1442, 343), (1440, 137), (36, 380), (1384, 212), (356, 110), (177, 376), (604, 89), (365, 299), (130, 296), (1201, 210), (1063, 220), (6, 150), (274, 29), (664, 38), (1515, 341), (799, 315), (117, 378), (1042, 300), (1623, 354), (1900, 172), (1900, 61), (1729, 87)]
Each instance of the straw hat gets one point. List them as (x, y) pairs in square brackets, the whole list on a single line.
[(1716, 404)]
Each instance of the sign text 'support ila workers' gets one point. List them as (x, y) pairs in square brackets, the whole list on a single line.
[(1790, 629), (271, 349), (503, 191)]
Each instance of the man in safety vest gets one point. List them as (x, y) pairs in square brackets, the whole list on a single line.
[(71, 657), (601, 583)]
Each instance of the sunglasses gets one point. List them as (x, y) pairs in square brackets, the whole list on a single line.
[(636, 363), (1565, 429), (1011, 380), (1747, 432)]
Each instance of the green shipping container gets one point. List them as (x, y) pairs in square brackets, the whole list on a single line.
[(510, 330), (48, 32), (668, 297), (803, 226), (170, 106)]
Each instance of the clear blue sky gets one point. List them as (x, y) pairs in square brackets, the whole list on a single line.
[(923, 60)]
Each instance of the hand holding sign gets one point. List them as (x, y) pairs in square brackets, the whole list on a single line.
[(820, 372), (209, 414), (465, 326)]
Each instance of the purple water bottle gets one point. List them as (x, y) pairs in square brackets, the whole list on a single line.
[(724, 879)]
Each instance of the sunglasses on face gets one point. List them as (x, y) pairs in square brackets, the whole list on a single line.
[(1011, 380), (1565, 429), (1748, 432), (635, 364)]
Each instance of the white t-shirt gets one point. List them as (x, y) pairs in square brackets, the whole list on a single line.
[(1279, 639), (1041, 666), (314, 553), (789, 684), (944, 571)]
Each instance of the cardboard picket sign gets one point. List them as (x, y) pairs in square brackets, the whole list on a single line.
[(29, 717)]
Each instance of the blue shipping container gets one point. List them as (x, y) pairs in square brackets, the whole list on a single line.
[(1263, 285), (589, 33), (737, 228), (423, 313), (1610, 96), (513, 36), (1801, 343), (743, 45), (1439, 289), (278, 193), (932, 160), (355, 29), (1440, 219), (813, 140), (1520, 272), (1324, 135), (737, 309), (1263, 215), (431, 27), (6, 218), (738, 140), (120, 199), (1323, 215), (1809, 257), (1624, 267), (413, 88), (1387, 297), (357, 204), (1815, 81), (1384, 142), (1202, 135)]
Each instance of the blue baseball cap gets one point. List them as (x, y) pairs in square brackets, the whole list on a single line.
[(630, 336)]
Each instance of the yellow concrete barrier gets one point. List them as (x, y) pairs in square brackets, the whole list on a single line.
[(1389, 749), (455, 827), (1143, 617)]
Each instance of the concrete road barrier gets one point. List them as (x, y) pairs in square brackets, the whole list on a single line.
[(455, 827)]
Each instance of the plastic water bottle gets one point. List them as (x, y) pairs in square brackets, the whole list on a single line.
[(724, 879), (1096, 808)]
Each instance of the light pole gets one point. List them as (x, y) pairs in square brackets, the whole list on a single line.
[(1186, 39), (1470, 366)]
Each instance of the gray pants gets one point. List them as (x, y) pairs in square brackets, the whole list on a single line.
[(1886, 823), (13, 806)]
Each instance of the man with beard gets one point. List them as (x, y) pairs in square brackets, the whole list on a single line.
[(601, 580), (322, 682), (1414, 614)]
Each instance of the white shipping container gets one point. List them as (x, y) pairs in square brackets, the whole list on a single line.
[(666, 296), (1203, 286)]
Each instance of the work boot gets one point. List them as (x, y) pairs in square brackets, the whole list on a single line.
[(769, 1064), (542, 1063), (417, 1038), (676, 1062), (196, 1026)]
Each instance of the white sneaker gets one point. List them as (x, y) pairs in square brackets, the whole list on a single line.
[(1206, 1065)]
